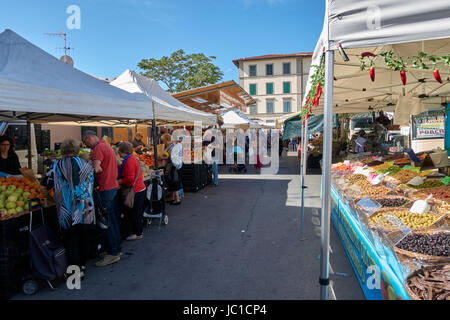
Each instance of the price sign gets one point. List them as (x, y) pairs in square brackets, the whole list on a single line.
[(446, 180), (396, 222), (389, 163), (368, 206)]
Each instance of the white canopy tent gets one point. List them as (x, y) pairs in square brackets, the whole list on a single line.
[(168, 110), (408, 26), (36, 86), (252, 123), (232, 120)]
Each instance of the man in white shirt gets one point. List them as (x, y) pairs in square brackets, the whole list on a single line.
[(361, 142)]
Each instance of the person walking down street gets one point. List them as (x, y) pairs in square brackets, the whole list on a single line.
[(9, 161), (105, 166), (280, 145), (173, 167), (130, 174), (214, 163), (72, 180)]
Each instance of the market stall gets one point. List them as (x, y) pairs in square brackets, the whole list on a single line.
[(409, 37), (381, 224), (35, 86)]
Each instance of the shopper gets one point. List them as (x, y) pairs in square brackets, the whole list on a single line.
[(173, 166), (9, 161), (361, 142), (72, 180), (214, 163), (280, 145), (130, 174), (105, 166), (137, 143)]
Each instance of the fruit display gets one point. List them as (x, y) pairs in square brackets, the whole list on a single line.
[(411, 220), (429, 283), (52, 153), (147, 158), (14, 195), (434, 244)]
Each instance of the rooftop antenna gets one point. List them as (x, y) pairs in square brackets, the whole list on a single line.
[(65, 58)]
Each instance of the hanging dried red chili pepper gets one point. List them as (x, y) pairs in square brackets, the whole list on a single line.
[(437, 75), (403, 76), (372, 74)]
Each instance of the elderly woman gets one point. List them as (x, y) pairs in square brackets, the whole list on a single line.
[(173, 167), (130, 174), (72, 179), (9, 161)]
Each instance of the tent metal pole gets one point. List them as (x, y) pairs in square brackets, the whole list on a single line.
[(326, 176), (155, 133), (302, 182), (303, 174), (30, 154)]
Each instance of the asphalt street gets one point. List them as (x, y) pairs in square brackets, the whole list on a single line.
[(239, 241)]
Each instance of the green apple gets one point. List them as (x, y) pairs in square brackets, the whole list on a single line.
[(12, 198), (11, 211), (12, 187), (8, 192), (19, 209), (26, 207), (10, 205), (2, 204), (3, 188), (19, 190), (26, 195)]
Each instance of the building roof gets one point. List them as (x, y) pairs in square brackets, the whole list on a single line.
[(212, 98), (274, 56)]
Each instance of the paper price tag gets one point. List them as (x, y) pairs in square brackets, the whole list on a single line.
[(389, 163), (346, 162), (446, 180)]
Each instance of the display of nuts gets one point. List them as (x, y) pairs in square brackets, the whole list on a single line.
[(356, 177), (405, 175), (437, 244)]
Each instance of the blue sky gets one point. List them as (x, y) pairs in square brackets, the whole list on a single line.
[(116, 34)]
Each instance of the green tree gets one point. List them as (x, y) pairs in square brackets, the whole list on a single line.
[(182, 71)]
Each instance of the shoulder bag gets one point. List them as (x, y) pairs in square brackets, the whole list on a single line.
[(127, 193)]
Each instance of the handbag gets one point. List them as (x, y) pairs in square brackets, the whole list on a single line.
[(128, 193)]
